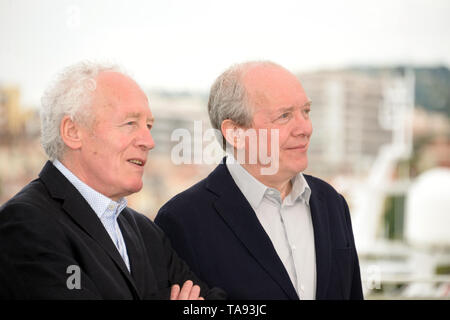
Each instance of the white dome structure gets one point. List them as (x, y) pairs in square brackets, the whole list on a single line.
[(428, 209)]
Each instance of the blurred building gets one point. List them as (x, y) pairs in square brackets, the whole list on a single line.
[(10, 116), (175, 110), (373, 143), (15, 121), (348, 114), (20, 154)]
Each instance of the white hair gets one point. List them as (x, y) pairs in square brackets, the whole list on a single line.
[(70, 94), (228, 98)]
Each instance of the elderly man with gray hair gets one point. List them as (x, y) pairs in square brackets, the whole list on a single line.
[(69, 234), (258, 233)]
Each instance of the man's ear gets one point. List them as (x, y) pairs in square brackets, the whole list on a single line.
[(232, 133), (70, 133)]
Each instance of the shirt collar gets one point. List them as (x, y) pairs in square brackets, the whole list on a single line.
[(251, 188), (300, 189), (254, 190), (98, 202)]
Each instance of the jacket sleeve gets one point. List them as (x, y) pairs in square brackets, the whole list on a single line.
[(180, 241), (178, 271), (35, 257)]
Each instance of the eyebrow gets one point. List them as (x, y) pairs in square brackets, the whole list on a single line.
[(307, 104), (137, 115)]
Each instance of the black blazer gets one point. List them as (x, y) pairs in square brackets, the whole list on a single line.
[(48, 226), (214, 228)]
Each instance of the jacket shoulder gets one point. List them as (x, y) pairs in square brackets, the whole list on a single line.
[(321, 186), (33, 197), (193, 196)]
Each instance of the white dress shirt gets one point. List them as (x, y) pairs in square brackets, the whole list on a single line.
[(106, 209), (287, 223)]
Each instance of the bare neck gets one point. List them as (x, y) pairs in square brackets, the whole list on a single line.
[(282, 184)]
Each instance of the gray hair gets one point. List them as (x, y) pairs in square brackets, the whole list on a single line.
[(228, 98), (70, 94)]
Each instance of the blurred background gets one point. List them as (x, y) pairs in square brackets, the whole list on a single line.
[(376, 71)]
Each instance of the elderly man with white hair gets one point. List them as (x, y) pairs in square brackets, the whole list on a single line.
[(69, 234)]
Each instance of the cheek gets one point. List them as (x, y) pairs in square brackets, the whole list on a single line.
[(268, 141), (283, 138), (106, 153)]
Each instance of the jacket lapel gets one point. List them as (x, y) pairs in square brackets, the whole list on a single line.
[(83, 215), (319, 214), (139, 269), (240, 217)]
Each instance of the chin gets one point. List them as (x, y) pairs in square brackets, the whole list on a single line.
[(296, 164), (136, 187), (300, 167)]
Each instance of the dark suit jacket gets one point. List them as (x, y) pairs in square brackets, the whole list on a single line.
[(214, 228), (48, 226)]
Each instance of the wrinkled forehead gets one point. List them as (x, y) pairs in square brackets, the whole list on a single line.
[(115, 89), (266, 76), (113, 83)]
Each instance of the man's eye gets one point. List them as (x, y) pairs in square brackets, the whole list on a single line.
[(285, 116)]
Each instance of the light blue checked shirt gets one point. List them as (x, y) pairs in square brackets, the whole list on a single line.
[(106, 209)]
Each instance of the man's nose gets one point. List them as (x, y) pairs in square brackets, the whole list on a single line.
[(145, 140), (302, 124)]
